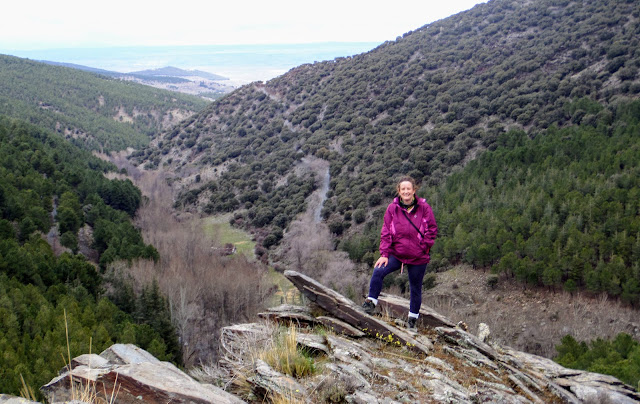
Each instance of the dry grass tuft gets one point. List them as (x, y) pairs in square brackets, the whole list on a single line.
[(81, 391), (275, 346), (26, 391), (287, 398), (333, 389), (285, 356)]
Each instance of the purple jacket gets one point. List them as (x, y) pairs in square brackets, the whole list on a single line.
[(400, 239)]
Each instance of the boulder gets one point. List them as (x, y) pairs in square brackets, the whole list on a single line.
[(131, 375), (483, 332)]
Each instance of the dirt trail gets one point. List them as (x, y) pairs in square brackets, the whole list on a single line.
[(316, 200)]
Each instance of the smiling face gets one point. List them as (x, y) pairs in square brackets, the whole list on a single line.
[(406, 192)]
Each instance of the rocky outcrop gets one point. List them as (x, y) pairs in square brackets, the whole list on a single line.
[(357, 358), (347, 311), (131, 375), (442, 362)]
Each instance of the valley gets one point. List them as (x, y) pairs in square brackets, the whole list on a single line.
[(158, 218)]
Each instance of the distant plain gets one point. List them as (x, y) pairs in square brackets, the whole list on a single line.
[(240, 63)]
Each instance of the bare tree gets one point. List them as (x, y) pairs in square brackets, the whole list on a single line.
[(307, 247), (206, 291)]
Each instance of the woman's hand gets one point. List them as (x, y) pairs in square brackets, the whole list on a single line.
[(382, 262)]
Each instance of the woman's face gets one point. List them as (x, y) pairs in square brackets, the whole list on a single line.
[(406, 191)]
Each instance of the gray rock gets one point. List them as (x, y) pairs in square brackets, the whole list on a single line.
[(400, 307), (349, 376), (312, 343), (483, 332), (268, 382), (349, 351), (340, 327), (463, 338), (383, 363), (494, 386), (588, 389), (283, 317), (433, 374), (290, 308), (7, 399), (496, 396), (450, 365), (585, 386), (289, 313), (91, 360), (439, 363), (123, 354), (132, 375), (442, 392), (591, 394), (521, 386), (361, 397)]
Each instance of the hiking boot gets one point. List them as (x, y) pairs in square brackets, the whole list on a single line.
[(411, 324), (368, 306)]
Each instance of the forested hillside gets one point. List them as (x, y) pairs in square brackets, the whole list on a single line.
[(559, 210), (50, 187), (96, 112), (619, 357), (427, 104)]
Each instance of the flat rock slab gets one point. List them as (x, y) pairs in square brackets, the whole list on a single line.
[(124, 354), (312, 343), (290, 308), (340, 327), (163, 383), (468, 340), (288, 317), (268, 382), (400, 307), (585, 386), (93, 361), (347, 311)]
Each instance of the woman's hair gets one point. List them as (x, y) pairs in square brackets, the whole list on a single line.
[(406, 178)]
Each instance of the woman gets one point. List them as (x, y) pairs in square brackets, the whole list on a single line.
[(408, 232)]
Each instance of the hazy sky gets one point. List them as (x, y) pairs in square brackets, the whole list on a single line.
[(42, 24)]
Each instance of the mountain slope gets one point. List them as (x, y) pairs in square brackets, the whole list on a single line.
[(424, 104), (559, 211), (94, 111), (55, 200)]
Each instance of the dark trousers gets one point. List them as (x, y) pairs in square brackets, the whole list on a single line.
[(416, 274)]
